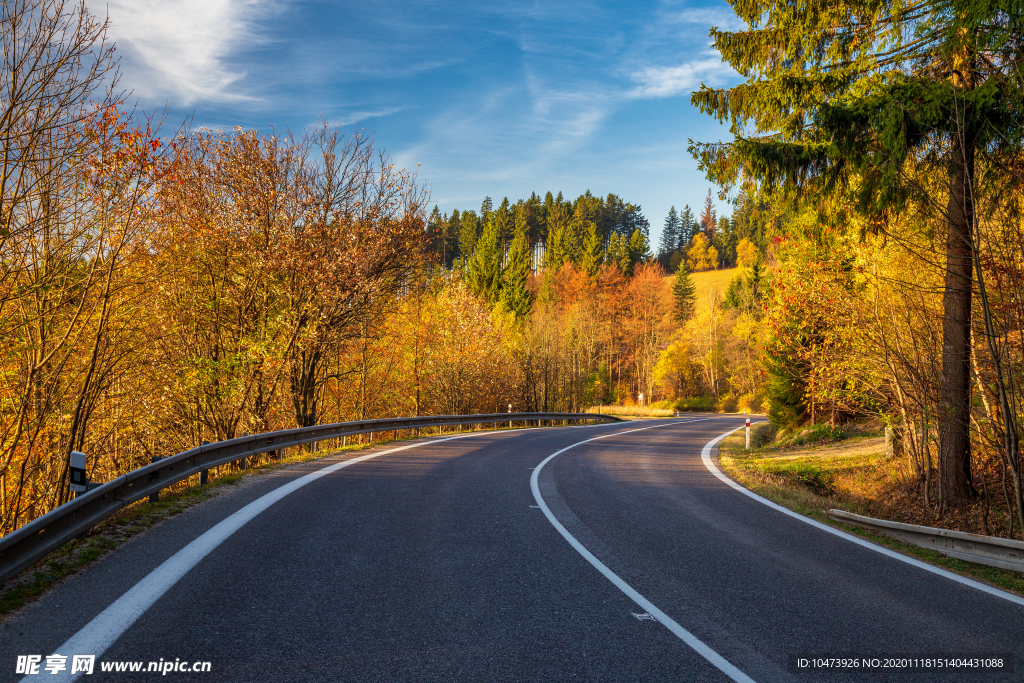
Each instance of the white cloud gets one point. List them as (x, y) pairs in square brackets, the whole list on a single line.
[(724, 19), (181, 47), (666, 81)]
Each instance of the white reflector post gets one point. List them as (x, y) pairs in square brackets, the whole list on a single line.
[(77, 469)]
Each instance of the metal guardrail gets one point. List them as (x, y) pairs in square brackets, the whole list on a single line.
[(26, 545), (987, 550)]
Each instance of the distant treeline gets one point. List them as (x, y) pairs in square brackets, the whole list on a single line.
[(564, 228)]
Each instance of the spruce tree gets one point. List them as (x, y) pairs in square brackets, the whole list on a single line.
[(708, 217), (453, 237), (637, 251), (469, 233), (684, 293), (591, 254), (483, 271), (505, 220), (874, 103), (437, 225), (617, 252), (687, 227), (515, 292), (486, 208), (559, 247), (669, 241)]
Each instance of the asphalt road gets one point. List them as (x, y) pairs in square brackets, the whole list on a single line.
[(437, 564)]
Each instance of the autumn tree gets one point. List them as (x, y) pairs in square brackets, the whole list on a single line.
[(701, 255)]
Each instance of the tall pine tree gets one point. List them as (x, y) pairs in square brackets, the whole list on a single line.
[(684, 293), (708, 217), (515, 291), (591, 254), (669, 241), (483, 271), (469, 233), (687, 227), (877, 102)]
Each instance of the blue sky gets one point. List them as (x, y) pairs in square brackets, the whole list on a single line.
[(488, 98)]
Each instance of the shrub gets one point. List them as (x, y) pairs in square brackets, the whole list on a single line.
[(819, 433), (702, 404), (761, 435)]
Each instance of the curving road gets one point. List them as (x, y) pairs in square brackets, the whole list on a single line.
[(623, 558)]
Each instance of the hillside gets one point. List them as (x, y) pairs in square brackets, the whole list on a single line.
[(710, 281)]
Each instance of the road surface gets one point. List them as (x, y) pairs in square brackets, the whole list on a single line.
[(442, 563)]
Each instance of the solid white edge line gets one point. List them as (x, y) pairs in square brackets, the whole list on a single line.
[(99, 634), (983, 587), (717, 660)]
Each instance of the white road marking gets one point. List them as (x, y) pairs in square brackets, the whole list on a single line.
[(983, 587), (703, 650), (100, 633)]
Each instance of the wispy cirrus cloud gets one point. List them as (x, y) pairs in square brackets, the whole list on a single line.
[(667, 81), (182, 49)]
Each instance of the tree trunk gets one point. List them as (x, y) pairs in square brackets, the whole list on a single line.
[(955, 398), (303, 387)]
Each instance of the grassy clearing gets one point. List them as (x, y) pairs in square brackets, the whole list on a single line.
[(813, 473), (710, 282)]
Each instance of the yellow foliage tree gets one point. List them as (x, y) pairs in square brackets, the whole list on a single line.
[(746, 253), (701, 255)]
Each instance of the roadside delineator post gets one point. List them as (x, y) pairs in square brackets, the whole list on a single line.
[(76, 473), (510, 421), (748, 433)]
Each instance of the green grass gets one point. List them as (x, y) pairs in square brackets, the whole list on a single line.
[(805, 487)]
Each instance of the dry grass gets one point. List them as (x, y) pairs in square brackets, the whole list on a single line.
[(631, 411), (710, 281), (851, 475)]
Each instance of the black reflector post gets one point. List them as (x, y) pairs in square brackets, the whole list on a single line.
[(76, 468)]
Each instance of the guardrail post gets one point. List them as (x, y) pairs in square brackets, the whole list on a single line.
[(244, 460), (155, 496), (204, 474), (748, 433)]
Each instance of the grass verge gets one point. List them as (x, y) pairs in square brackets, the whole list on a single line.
[(811, 482)]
